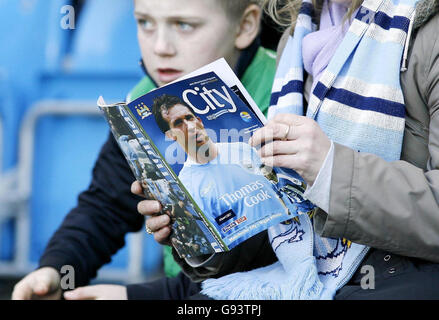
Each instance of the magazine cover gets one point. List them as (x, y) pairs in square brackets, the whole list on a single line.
[(192, 236), (187, 143)]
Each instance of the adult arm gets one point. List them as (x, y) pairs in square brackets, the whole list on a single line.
[(176, 288), (393, 206)]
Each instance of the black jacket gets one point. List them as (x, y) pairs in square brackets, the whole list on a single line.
[(95, 229)]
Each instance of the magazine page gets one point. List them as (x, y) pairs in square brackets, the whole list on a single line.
[(191, 236), (289, 181), (201, 128), (226, 74)]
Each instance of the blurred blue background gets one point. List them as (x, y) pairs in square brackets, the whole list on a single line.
[(56, 58)]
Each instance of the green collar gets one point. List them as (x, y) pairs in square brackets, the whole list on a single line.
[(257, 79)]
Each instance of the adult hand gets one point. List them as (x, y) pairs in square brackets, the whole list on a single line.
[(295, 142), (41, 284), (159, 225), (98, 292)]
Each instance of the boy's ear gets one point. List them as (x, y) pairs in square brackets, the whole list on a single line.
[(248, 28)]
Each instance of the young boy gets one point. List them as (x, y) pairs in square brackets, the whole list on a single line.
[(175, 38)]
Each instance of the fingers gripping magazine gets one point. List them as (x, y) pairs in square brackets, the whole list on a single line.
[(186, 143)]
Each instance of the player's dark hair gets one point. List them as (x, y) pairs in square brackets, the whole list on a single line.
[(164, 103)]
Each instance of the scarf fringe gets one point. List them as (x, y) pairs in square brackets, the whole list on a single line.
[(268, 283)]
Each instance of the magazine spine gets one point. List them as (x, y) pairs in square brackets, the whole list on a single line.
[(206, 222)]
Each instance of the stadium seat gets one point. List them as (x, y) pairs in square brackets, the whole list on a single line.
[(7, 172), (105, 40), (26, 30), (9, 116), (63, 72), (63, 132), (59, 142), (32, 41)]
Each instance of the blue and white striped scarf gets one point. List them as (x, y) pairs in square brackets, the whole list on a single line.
[(358, 102)]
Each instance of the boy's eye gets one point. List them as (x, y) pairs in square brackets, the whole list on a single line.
[(184, 26), (145, 24)]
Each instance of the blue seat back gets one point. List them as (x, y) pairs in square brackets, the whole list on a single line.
[(31, 40), (9, 117), (103, 59), (99, 58), (8, 151), (105, 40), (152, 255), (66, 147)]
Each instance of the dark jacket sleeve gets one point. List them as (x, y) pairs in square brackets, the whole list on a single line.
[(253, 253), (95, 229), (176, 288)]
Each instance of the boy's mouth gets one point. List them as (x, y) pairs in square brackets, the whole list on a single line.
[(167, 74)]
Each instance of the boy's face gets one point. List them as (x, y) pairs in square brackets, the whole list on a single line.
[(179, 36)]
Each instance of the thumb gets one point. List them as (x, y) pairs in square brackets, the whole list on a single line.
[(41, 288), (46, 282)]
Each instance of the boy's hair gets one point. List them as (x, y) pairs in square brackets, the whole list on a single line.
[(164, 103), (235, 8)]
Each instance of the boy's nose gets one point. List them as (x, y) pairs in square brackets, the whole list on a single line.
[(163, 45)]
